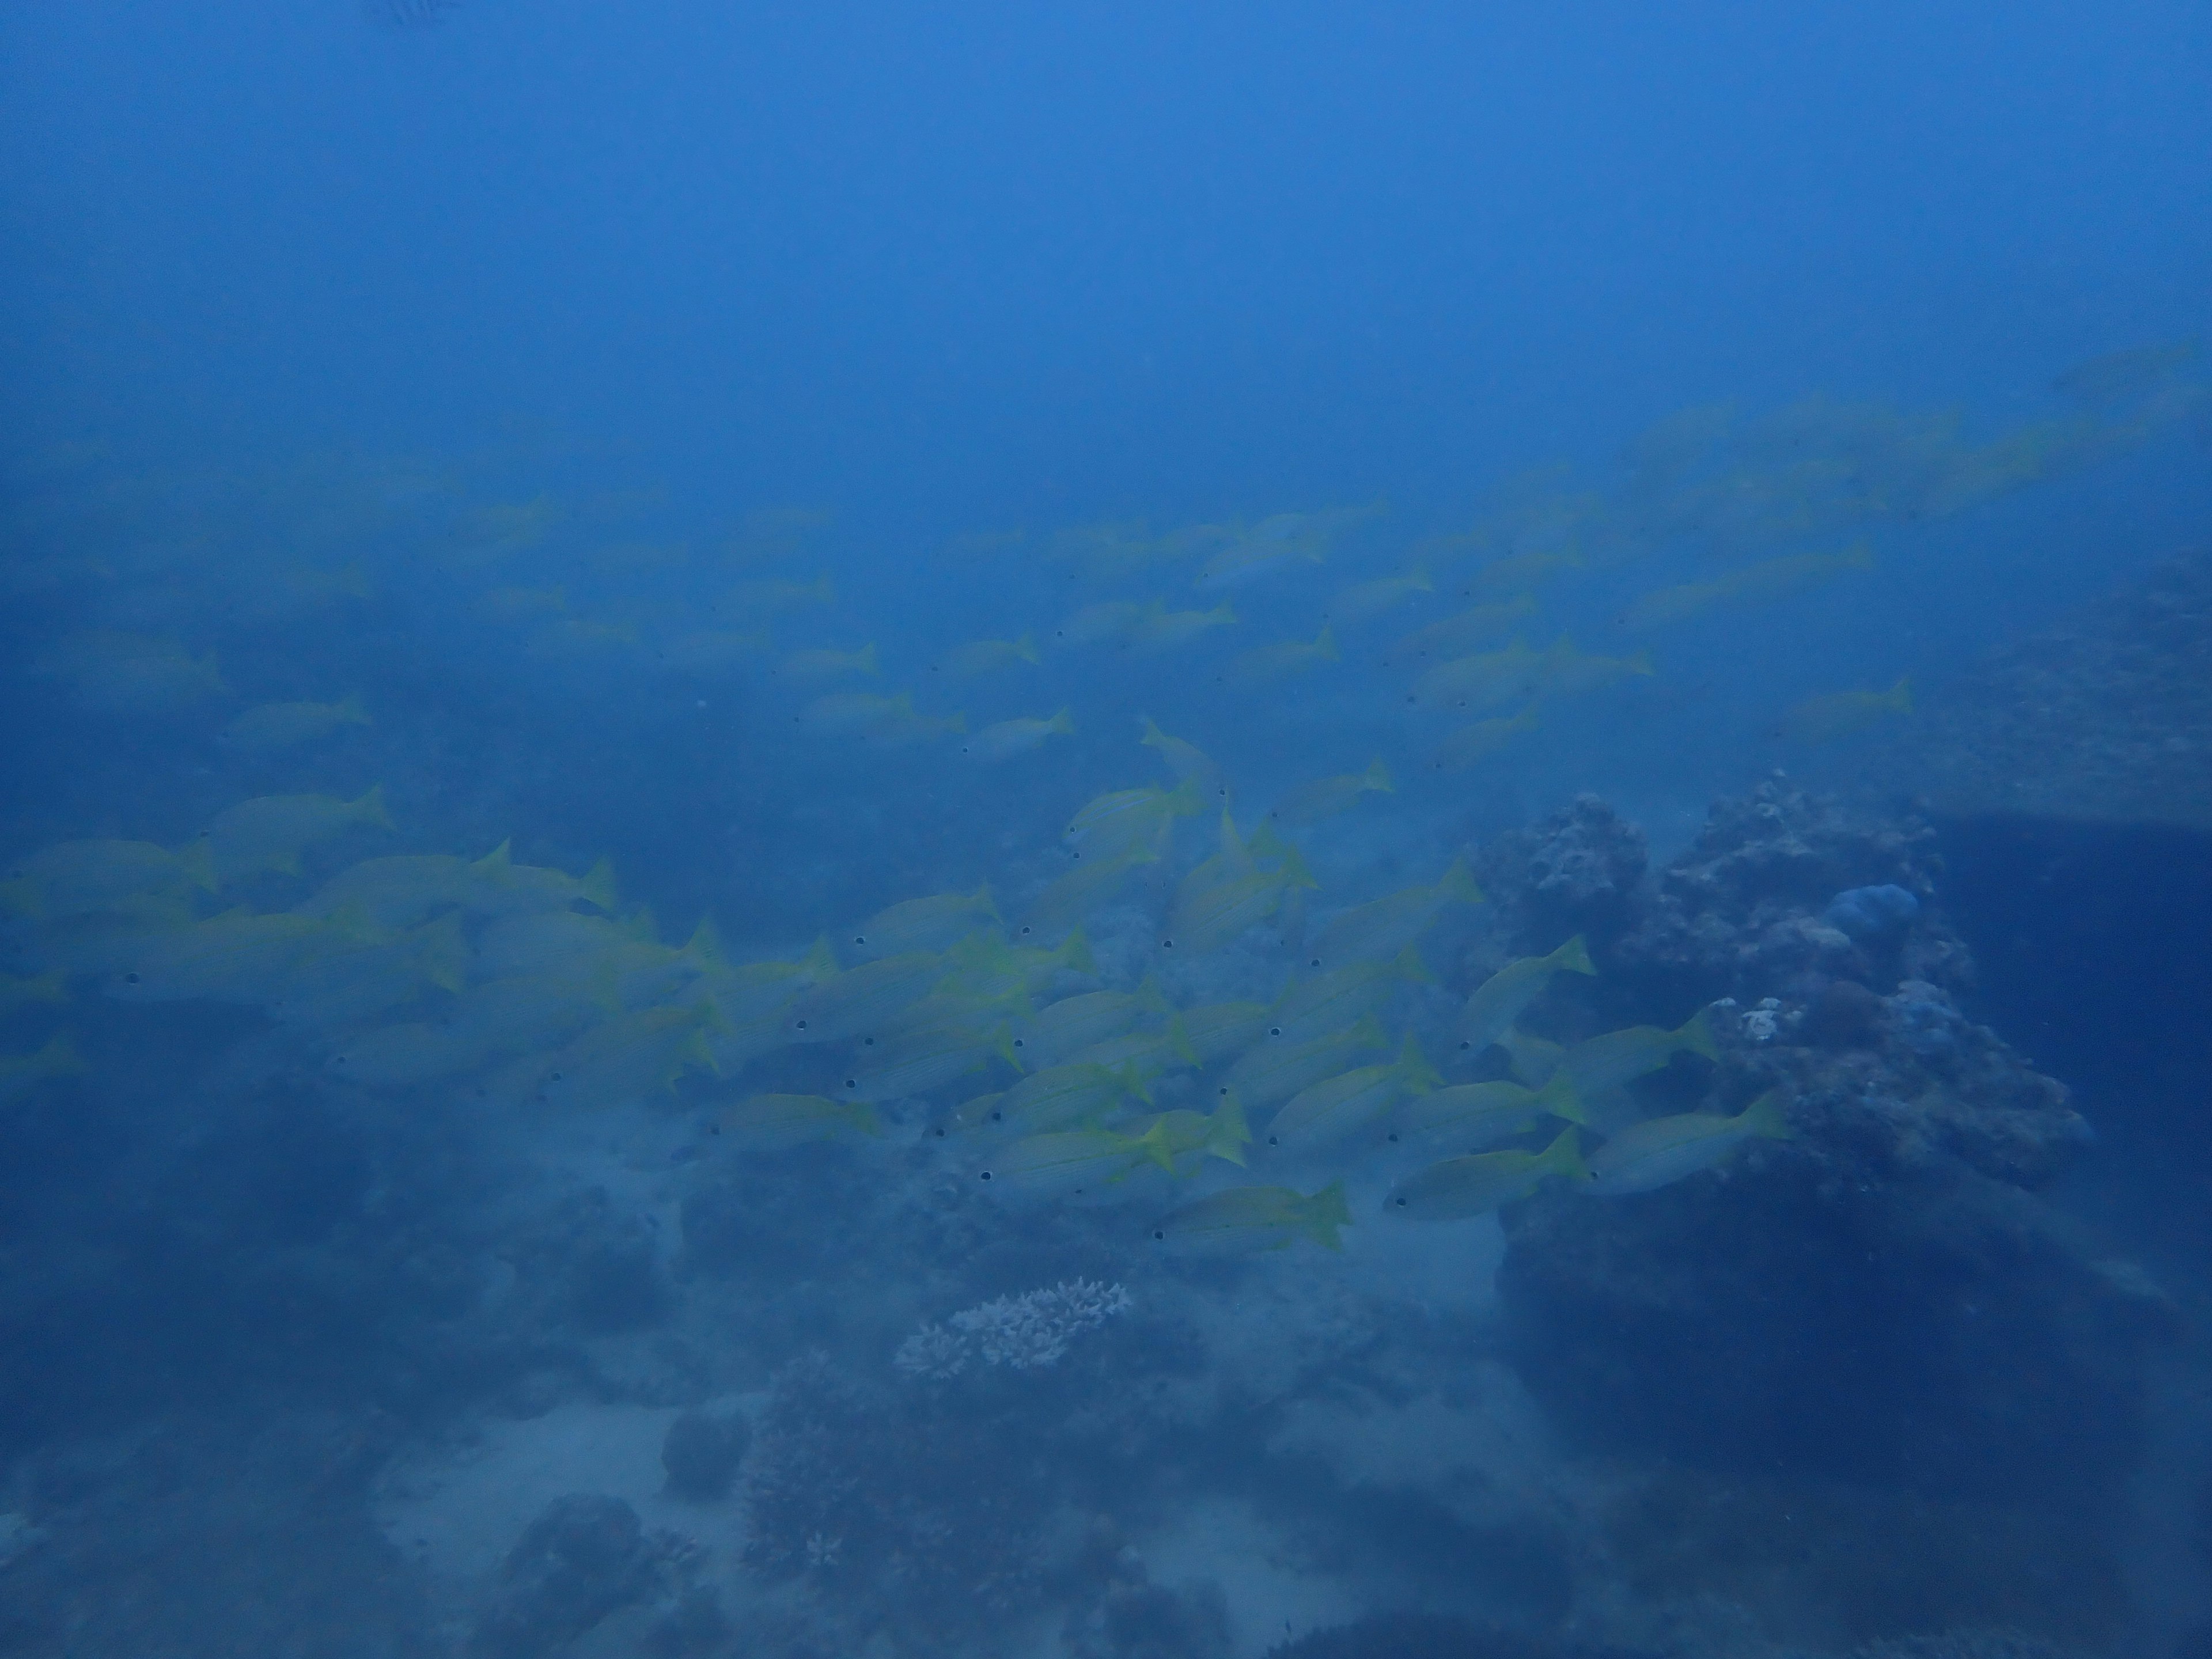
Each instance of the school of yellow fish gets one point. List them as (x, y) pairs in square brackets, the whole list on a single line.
[(478, 977)]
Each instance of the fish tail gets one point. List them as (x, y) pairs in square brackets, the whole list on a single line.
[(1227, 1132), (1075, 953), (1459, 885), (371, 807), (1899, 696), (1767, 1117), (1573, 957), (198, 862), (704, 948), (1558, 1096), (1415, 1075), (597, 888), (1325, 1212), (1564, 1156)]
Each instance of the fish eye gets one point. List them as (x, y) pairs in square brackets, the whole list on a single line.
[(1401, 1203), (1274, 1141), (997, 1117), (130, 979), (1314, 963), (867, 1042), (1021, 1043), (1026, 930), (802, 1024), (1167, 944), (852, 1083), (1393, 1136), (859, 938), (1158, 1232), (987, 1174), (1275, 1030), (1467, 1042), (555, 1078)]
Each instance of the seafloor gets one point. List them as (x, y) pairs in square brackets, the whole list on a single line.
[(1911, 1385)]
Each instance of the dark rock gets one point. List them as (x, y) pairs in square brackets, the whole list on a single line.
[(583, 1557), (591, 1268), (1845, 1015), (701, 1453)]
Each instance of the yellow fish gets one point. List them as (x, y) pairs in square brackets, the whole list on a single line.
[(1499, 1001), (1773, 579), (1187, 761), (816, 667), (1662, 1149), (1458, 636), (270, 832), (118, 672), (980, 657), (1844, 714), (1460, 1189), (1478, 742), (1159, 629), (1364, 601), (1265, 663), (1248, 1220), (1482, 681), (276, 726), (1007, 738), (925, 924), (1324, 797)]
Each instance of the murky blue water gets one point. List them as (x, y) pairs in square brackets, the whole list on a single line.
[(1105, 831)]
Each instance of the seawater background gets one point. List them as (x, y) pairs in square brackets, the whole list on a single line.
[(321, 328)]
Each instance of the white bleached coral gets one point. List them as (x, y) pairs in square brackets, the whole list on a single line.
[(1023, 1332)]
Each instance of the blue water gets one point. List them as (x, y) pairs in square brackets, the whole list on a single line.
[(552, 380)]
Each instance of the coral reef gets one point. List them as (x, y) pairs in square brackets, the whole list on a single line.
[(1881, 1298), (1749, 909), (1577, 871)]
